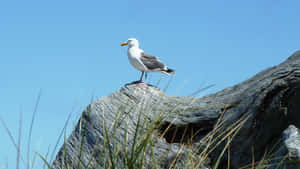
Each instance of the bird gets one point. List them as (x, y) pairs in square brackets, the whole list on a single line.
[(143, 61)]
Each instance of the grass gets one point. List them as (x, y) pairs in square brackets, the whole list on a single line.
[(137, 148)]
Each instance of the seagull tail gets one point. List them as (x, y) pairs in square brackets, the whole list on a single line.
[(167, 71), (170, 70)]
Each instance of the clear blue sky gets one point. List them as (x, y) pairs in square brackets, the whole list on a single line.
[(71, 51)]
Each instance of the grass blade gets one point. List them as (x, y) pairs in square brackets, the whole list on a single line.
[(19, 141), (11, 138), (31, 126), (44, 160)]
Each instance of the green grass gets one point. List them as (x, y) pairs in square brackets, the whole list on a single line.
[(138, 152)]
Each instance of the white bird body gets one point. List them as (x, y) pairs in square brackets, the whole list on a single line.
[(134, 54)]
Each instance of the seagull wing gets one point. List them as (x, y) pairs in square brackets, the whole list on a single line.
[(151, 62)]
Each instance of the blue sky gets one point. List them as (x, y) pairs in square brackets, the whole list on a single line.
[(70, 50)]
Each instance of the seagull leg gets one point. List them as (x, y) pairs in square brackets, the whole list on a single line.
[(144, 83), (141, 77), (145, 78)]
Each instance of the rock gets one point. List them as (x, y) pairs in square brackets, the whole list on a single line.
[(288, 155), (268, 103)]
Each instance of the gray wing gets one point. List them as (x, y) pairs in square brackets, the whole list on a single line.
[(151, 62)]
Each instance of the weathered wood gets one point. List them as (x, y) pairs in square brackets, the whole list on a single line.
[(270, 100)]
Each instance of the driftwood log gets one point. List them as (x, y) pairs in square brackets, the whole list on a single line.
[(269, 101)]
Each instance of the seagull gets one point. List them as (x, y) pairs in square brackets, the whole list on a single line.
[(143, 61)]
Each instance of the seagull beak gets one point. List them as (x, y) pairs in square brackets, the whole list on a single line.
[(123, 44)]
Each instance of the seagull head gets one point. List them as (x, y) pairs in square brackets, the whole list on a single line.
[(131, 42)]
